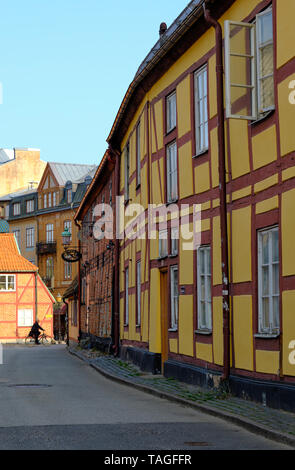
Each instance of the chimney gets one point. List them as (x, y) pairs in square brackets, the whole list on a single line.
[(163, 29)]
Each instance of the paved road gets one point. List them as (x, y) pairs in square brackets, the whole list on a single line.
[(51, 400)]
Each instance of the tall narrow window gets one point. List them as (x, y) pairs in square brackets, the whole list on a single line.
[(171, 112), (138, 155), (265, 61), (201, 110), (174, 241), (126, 296), (49, 233), (45, 201), (30, 237), (174, 296), (16, 208), (127, 169), (49, 268), (204, 288), (163, 243), (54, 199), (68, 270), (30, 206), (138, 292), (268, 281), (172, 189)]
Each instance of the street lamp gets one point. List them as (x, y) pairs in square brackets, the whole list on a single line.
[(66, 237), (70, 254)]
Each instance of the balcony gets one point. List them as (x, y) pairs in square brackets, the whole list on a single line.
[(44, 248)]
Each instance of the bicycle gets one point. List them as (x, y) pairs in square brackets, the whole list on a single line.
[(42, 338)]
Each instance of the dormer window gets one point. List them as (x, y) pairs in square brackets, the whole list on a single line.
[(16, 208), (69, 195), (68, 192)]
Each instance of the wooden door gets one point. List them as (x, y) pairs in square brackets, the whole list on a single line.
[(164, 317)]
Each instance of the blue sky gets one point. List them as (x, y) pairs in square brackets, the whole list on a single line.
[(65, 66)]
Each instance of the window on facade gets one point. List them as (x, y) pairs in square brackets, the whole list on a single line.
[(138, 292), (201, 110), (268, 280), (49, 268), (30, 237), (68, 225), (69, 196), (204, 288), (172, 187), (75, 313), (68, 270), (49, 200), (17, 236), (49, 233), (127, 171), (163, 243), (138, 155), (249, 67), (16, 208), (111, 193), (127, 296), (171, 112), (45, 201), (7, 282), (25, 317), (174, 241), (54, 199), (174, 296), (30, 206)]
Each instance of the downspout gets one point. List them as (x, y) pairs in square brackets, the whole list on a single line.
[(36, 296), (79, 280), (117, 156), (222, 189)]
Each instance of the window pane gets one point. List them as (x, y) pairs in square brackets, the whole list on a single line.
[(265, 310), (266, 93), (265, 252), (276, 279), (203, 313), (265, 27), (276, 312), (2, 282), (265, 280), (11, 284)]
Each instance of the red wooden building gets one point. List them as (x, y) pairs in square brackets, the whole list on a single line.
[(23, 295)]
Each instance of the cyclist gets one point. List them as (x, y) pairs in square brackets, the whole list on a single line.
[(35, 331)]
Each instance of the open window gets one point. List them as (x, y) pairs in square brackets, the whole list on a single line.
[(249, 67)]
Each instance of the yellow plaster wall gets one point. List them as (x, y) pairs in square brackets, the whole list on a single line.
[(243, 334), (217, 330), (267, 205), (285, 31), (288, 324), (241, 244), (185, 170), (155, 312), (185, 325), (264, 147), (288, 231), (286, 115), (239, 147), (204, 352), (267, 362), (183, 107), (216, 248), (202, 178), (173, 345)]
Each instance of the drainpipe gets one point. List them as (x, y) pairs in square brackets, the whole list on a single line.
[(116, 155), (36, 296), (222, 189), (79, 280)]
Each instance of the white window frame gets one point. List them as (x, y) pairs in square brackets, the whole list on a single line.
[(54, 199), (260, 78), (126, 297), (228, 84), (174, 241), (67, 270), (171, 112), (163, 243), (127, 172), (172, 169), (49, 233), (138, 155), (16, 208), (7, 276), (49, 200), (201, 128), (138, 292), (174, 295), (30, 206), (30, 237), (207, 275), (274, 328), (25, 317)]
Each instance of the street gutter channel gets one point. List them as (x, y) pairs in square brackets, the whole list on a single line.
[(228, 416)]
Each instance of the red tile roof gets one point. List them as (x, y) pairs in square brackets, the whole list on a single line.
[(10, 258)]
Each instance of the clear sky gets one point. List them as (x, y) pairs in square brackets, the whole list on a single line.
[(65, 66)]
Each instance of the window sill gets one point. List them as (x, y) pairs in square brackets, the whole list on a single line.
[(173, 330), (173, 201), (173, 256), (126, 325), (263, 117), (267, 335), (168, 133), (138, 186), (161, 258), (203, 332), (202, 152)]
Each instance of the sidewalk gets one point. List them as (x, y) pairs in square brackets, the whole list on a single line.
[(274, 424)]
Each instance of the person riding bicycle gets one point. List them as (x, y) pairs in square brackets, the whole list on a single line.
[(35, 331)]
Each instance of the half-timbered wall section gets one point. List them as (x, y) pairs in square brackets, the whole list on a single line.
[(167, 133)]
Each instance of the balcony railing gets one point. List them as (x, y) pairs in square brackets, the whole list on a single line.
[(46, 247)]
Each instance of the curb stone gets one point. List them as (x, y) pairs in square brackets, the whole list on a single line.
[(231, 417)]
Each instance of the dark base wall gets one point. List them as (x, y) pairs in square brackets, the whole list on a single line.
[(269, 393), (147, 361), (101, 344)]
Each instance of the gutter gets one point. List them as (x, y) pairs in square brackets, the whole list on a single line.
[(222, 189)]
